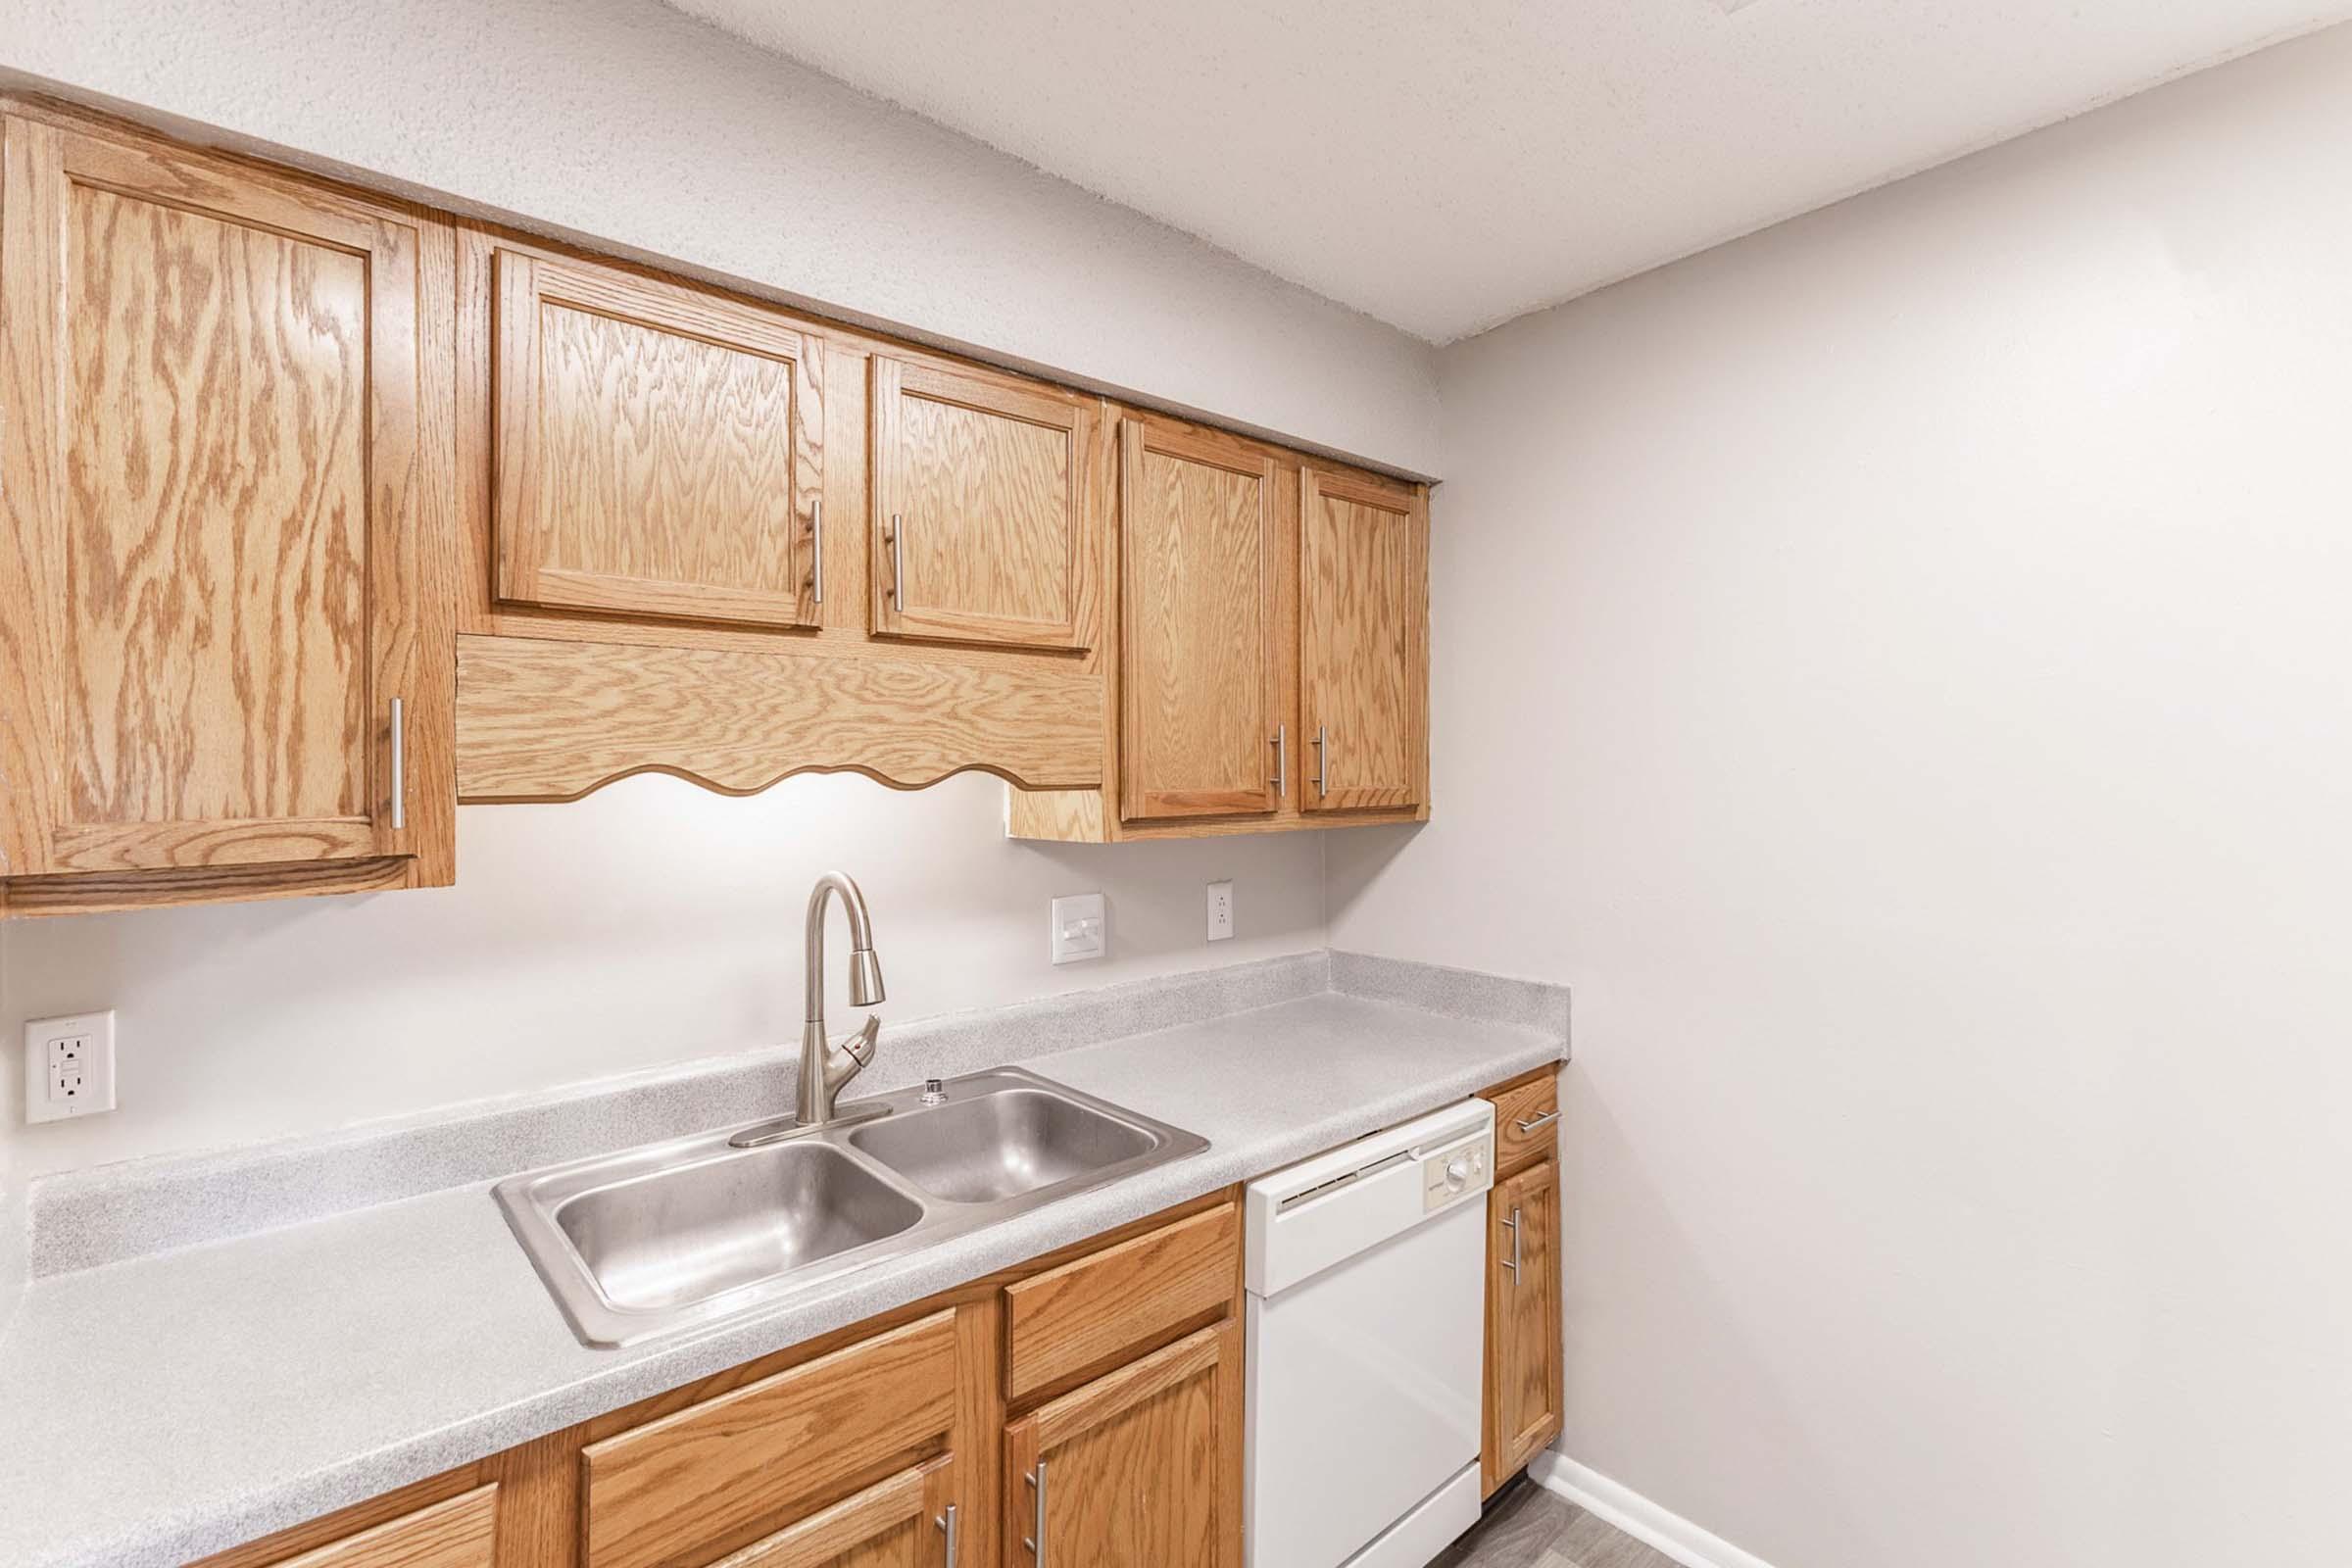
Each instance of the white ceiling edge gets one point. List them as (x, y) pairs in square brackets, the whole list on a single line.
[(1905, 172), (1444, 171)]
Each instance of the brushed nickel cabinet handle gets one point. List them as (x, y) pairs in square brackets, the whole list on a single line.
[(1282, 760), (898, 562), (1545, 1120), (1322, 759), (816, 546), (947, 1522), (1512, 1263), (1036, 1540), (400, 769)]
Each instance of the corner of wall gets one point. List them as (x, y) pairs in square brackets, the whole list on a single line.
[(13, 1239)]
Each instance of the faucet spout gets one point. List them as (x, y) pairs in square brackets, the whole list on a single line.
[(825, 1067)]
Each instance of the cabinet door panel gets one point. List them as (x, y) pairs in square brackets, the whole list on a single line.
[(1197, 617), (897, 1523), (1523, 1395), (461, 1533), (981, 529), (657, 449), (226, 501), (1363, 622), (1141, 1468)]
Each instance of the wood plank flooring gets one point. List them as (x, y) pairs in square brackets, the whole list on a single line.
[(1528, 1526)]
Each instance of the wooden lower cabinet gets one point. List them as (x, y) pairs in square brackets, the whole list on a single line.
[(1141, 1468), (1083, 1410), (895, 1444), (1524, 1384)]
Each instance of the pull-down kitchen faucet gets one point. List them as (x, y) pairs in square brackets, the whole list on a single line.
[(825, 1067)]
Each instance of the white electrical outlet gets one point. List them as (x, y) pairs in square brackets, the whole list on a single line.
[(1075, 929), (69, 1067), (1220, 910)]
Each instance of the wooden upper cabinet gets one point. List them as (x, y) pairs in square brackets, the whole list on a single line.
[(225, 473), (1197, 572), (1364, 642), (983, 524), (659, 449), (1524, 1346), (1137, 1469)]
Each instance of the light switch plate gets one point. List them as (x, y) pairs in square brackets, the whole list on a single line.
[(1075, 930), (1220, 910), (69, 1067)]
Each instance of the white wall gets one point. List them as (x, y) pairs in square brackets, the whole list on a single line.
[(1898, 670), (651, 922), (654, 921), (628, 124)]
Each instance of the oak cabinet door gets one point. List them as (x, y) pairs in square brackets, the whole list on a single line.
[(1138, 1469), (905, 1521), (1197, 542), (1524, 1390), (225, 473), (461, 1533), (658, 453), (983, 528), (1363, 629)]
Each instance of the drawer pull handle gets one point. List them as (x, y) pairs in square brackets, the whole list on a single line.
[(1036, 1540), (947, 1522), (1512, 1263), (1541, 1122), (898, 562), (817, 552), (1322, 760), (1282, 762)]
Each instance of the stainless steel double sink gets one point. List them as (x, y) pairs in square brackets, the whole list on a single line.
[(653, 1239)]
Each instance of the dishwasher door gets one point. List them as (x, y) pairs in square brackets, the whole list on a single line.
[(1364, 1375)]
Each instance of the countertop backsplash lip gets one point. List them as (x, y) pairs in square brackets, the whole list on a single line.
[(83, 1219), (1452, 992)]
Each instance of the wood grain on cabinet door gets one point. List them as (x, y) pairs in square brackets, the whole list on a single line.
[(1197, 621), (658, 453), (901, 1522), (981, 527), (1364, 582), (227, 470), (1141, 1468), (1524, 1388), (461, 1533)]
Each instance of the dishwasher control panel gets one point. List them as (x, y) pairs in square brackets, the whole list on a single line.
[(1456, 1172)]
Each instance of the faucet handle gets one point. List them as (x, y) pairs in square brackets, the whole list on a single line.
[(860, 1046)]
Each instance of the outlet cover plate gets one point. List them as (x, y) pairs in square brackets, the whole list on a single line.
[(69, 1067), (1220, 910)]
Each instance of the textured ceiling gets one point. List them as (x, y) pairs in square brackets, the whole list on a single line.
[(1445, 167)]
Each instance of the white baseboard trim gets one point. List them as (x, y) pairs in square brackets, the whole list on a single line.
[(1639, 1517)]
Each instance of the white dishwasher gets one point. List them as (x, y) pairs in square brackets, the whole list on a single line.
[(1366, 1318)]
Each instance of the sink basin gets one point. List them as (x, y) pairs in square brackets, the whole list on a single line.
[(999, 1145), (653, 1239), (697, 1231)]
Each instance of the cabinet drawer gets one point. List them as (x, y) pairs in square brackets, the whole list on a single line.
[(458, 1534), (718, 1475), (1095, 1311), (1526, 1122)]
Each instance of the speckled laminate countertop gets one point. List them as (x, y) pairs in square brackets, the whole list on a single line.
[(156, 1409)]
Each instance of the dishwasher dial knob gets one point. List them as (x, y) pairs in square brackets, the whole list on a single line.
[(1457, 1170)]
